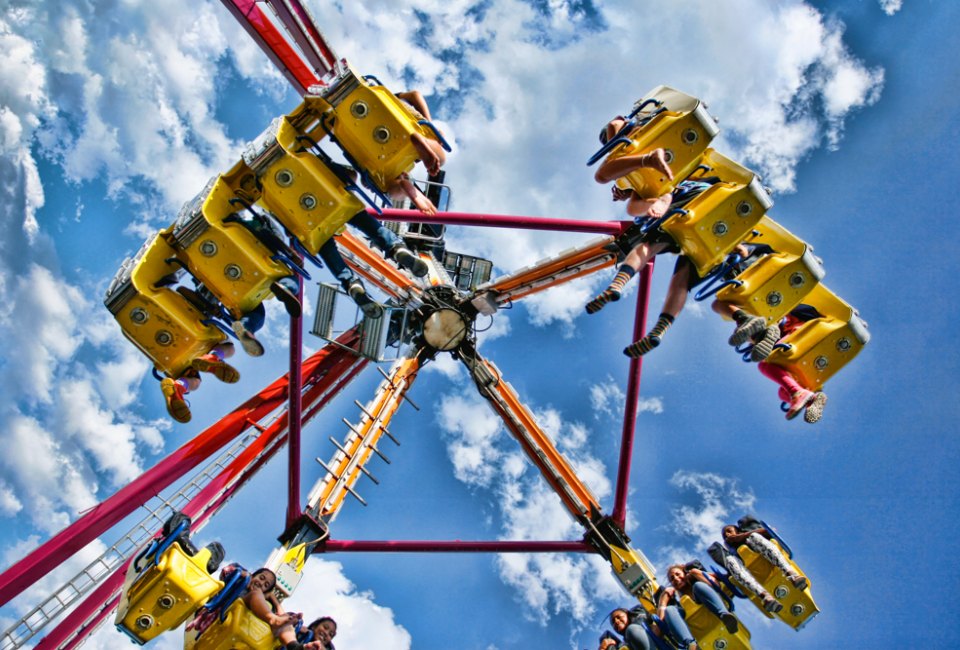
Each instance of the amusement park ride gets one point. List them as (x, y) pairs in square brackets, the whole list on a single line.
[(157, 583)]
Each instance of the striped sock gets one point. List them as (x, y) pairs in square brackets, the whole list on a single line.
[(651, 340), (612, 293)]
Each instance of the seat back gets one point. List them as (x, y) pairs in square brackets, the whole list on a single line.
[(162, 596), (819, 348), (680, 125), (225, 256), (158, 320), (778, 282), (302, 191)]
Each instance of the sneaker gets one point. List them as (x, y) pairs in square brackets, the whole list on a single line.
[(216, 556), (248, 341), (369, 307), (217, 367), (730, 622), (800, 400), (177, 407), (288, 298), (407, 260), (763, 348), (815, 410), (749, 327)]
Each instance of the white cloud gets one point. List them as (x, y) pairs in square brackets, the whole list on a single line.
[(891, 7), (608, 399), (715, 501), (361, 622)]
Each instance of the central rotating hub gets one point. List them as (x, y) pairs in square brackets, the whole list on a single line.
[(445, 329)]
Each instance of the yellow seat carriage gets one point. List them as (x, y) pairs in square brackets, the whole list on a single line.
[(370, 124), (820, 347), (663, 119), (223, 250), (167, 582), (161, 322)]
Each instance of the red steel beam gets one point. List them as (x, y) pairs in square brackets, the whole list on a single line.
[(506, 221), (633, 395), (102, 517), (456, 546)]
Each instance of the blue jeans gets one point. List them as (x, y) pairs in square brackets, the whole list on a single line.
[(638, 638), (253, 320), (677, 626), (381, 237), (707, 596)]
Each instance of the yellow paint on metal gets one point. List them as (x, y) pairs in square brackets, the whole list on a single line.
[(303, 192), (798, 605), (709, 631), (240, 630), (158, 320), (821, 347), (227, 257), (778, 282), (163, 596), (683, 129)]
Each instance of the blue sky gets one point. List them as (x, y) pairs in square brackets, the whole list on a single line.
[(113, 114)]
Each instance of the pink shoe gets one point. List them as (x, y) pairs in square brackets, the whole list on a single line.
[(799, 401)]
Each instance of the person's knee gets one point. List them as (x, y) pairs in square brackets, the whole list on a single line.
[(636, 637)]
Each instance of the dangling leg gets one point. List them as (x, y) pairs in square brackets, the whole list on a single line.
[(173, 394), (388, 241), (736, 568), (800, 397), (350, 282), (244, 328), (680, 283), (772, 554), (612, 292), (213, 362), (709, 598), (611, 170)]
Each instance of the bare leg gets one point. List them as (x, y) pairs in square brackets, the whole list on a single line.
[(430, 151), (403, 186), (642, 254), (611, 170), (725, 309)]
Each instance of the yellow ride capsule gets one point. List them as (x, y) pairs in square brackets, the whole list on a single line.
[(821, 347), (714, 222), (372, 125), (158, 320), (709, 631), (778, 282), (299, 188), (680, 125), (798, 606), (164, 595), (240, 630), (223, 254)]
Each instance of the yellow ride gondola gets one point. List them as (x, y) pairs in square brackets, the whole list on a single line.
[(372, 125), (778, 282), (711, 225), (164, 587), (212, 242), (674, 121), (798, 605), (819, 348), (158, 320), (302, 190)]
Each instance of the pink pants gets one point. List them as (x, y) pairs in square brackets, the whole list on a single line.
[(788, 385)]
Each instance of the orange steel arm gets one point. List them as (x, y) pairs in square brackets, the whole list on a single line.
[(362, 259), (574, 494), (344, 469), (563, 267)]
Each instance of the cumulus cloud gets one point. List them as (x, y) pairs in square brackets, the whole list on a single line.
[(712, 500), (891, 7), (488, 460)]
